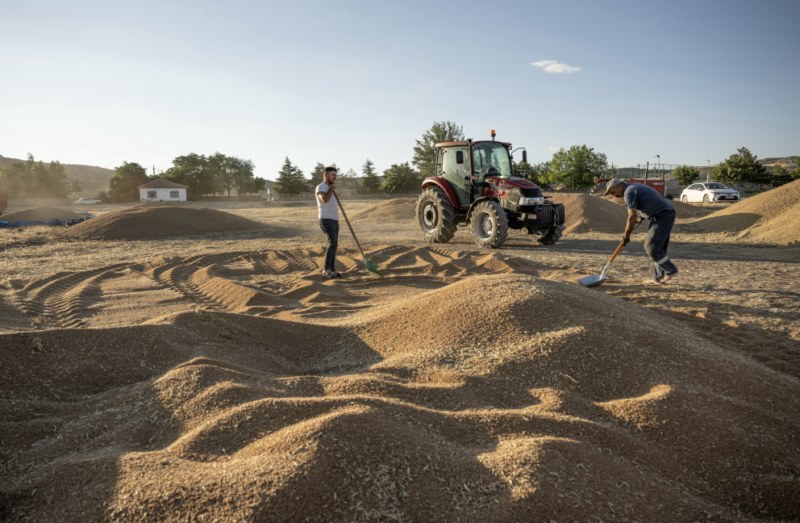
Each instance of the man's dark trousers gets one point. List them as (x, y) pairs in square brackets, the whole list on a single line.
[(658, 241), (331, 230)]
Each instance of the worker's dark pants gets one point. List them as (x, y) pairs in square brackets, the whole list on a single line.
[(331, 230), (658, 241)]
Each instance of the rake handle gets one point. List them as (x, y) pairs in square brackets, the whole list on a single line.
[(348, 223)]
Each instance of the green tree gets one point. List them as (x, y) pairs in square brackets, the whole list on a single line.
[(537, 173), (796, 171), (400, 178), (290, 180), (576, 167), (540, 173), (317, 175), (32, 179), (686, 174), (741, 167), (259, 185), (125, 182), (779, 175), (192, 170), (525, 170), (370, 183), (241, 172), (219, 170), (348, 181), (425, 150)]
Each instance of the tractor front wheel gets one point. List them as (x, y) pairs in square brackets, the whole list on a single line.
[(550, 236), (489, 224), (436, 215)]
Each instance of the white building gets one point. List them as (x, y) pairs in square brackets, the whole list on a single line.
[(161, 190)]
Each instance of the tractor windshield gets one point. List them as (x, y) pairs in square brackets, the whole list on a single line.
[(491, 159)]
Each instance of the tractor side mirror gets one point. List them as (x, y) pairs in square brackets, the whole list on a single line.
[(525, 156), (459, 157)]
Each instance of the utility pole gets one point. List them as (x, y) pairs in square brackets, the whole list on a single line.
[(708, 173)]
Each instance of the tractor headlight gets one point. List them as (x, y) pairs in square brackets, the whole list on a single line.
[(531, 200)]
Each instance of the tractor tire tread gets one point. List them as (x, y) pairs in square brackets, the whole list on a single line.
[(448, 223)]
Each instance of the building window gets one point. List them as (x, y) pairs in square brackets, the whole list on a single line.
[(151, 195), (174, 195)]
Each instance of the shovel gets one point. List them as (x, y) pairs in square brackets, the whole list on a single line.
[(371, 267), (596, 279)]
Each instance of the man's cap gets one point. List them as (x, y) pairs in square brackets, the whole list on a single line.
[(613, 182)]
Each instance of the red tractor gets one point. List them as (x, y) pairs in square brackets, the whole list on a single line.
[(476, 186)]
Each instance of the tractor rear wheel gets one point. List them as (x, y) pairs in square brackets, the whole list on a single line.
[(489, 224), (436, 215)]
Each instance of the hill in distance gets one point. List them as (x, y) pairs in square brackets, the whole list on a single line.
[(93, 179)]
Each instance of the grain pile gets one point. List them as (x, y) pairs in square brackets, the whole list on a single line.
[(152, 222), (687, 210), (552, 402), (395, 209), (772, 216), (586, 213), (41, 214)]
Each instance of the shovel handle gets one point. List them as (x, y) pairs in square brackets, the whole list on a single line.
[(617, 251), (348, 223)]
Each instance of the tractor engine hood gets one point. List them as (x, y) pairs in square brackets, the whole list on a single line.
[(512, 182), (510, 189)]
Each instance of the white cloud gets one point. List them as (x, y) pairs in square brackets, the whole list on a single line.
[(555, 67)]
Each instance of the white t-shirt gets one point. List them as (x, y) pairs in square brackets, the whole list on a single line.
[(329, 210)]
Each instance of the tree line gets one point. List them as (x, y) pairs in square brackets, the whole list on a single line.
[(36, 179), (399, 178), (216, 174), (219, 174), (740, 167)]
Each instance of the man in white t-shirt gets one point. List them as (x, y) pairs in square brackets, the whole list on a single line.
[(328, 212)]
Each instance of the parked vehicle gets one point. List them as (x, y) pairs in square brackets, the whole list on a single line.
[(87, 201), (476, 187), (709, 192)]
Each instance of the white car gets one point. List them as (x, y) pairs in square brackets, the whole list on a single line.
[(86, 201), (708, 192)]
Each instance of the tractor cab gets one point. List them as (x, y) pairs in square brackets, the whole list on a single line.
[(466, 165)]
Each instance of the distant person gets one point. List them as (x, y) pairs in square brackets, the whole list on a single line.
[(328, 212), (648, 202)]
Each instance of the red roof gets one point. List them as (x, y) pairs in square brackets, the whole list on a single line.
[(161, 183)]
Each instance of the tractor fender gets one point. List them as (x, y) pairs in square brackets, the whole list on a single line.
[(445, 186), (476, 202)]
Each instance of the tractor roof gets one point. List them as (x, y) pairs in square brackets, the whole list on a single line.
[(454, 144)]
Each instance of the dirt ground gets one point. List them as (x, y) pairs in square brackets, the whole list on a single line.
[(216, 376)]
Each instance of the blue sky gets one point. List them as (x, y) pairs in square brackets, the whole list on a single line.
[(105, 82)]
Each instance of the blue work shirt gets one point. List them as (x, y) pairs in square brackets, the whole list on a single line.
[(645, 199)]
